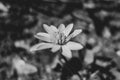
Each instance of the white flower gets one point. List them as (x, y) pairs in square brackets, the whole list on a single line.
[(57, 39)]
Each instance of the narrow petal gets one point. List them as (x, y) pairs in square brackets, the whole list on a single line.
[(66, 52), (55, 48), (74, 45), (43, 37), (41, 46), (47, 28), (68, 29), (61, 28), (75, 33), (54, 28), (43, 34)]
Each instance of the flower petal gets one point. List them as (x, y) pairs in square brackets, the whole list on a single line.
[(47, 28), (66, 52), (41, 46), (75, 33), (68, 29), (74, 45), (54, 28), (43, 37), (61, 27), (55, 48)]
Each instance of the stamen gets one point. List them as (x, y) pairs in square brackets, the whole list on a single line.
[(61, 38)]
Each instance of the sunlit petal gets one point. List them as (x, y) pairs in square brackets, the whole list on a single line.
[(75, 33), (54, 28), (66, 51), (43, 36), (68, 29), (74, 45), (61, 27), (55, 48), (41, 46), (47, 28)]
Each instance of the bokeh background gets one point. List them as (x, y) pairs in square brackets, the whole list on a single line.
[(99, 19)]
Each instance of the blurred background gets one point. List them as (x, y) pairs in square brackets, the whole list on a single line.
[(99, 19)]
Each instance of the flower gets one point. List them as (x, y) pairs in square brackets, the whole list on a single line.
[(58, 38)]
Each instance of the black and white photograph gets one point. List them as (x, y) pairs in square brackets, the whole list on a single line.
[(59, 39)]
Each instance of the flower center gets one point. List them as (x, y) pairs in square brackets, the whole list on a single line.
[(61, 38)]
